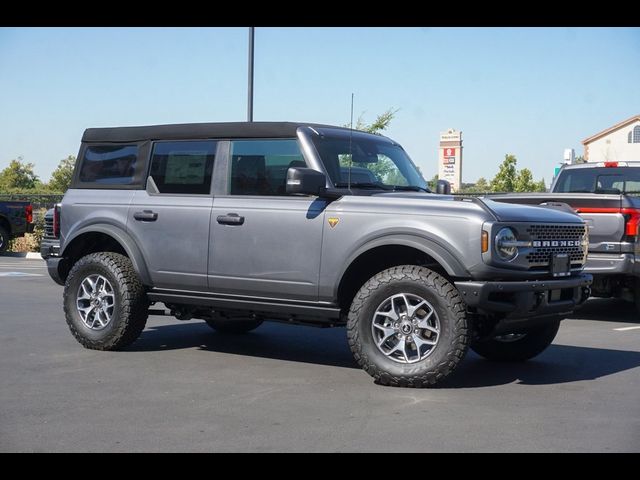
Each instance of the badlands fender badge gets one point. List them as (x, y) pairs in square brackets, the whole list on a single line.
[(333, 221)]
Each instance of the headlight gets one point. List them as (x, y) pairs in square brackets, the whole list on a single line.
[(509, 251)]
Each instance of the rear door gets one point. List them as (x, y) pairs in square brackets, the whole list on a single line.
[(170, 219)]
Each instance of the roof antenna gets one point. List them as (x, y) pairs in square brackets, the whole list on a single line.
[(350, 142)]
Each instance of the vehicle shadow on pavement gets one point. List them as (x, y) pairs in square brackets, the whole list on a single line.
[(557, 364), (270, 340), (607, 309)]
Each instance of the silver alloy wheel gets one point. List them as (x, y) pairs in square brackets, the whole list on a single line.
[(510, 337), (95, 302), (406, 328)]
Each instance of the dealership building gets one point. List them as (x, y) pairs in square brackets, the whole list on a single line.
[(618, 143)]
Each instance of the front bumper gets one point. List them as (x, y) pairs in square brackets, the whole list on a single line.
[(526, 299), (612, 264)]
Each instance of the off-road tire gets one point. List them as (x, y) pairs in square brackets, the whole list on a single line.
[(223, 323), (532, 344), (131, 303), (446, 301), (4, 240)]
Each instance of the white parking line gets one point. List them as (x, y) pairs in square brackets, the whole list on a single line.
[(20, 274), (624, 329)]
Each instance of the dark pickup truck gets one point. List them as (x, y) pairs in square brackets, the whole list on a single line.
[(607, 196), (16, 219)]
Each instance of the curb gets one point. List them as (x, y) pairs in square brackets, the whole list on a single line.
[(27, 256)]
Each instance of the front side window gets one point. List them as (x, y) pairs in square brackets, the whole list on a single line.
[(259, 167), (367, 162), (109, 165), (183, 167)]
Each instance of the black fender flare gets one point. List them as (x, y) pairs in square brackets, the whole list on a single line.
[(120, 236)]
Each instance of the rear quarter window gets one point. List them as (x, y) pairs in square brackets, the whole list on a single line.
[(110, 165)]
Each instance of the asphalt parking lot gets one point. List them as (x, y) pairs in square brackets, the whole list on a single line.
[(183, 387)]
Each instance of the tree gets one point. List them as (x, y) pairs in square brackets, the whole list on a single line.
[(381, 122), (509, 179), (481, 186), (18, 175), (433, 183), (505, 179), (61, 176)]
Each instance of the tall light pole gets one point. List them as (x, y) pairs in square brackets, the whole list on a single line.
[(250, 93)]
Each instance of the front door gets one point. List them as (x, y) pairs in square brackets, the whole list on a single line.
[(170, 220), (263, 242)]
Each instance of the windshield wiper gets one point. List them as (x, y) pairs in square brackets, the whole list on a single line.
[(377, 186), (411, 188)]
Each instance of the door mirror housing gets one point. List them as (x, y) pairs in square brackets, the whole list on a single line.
[(305, 181), (443, 187)]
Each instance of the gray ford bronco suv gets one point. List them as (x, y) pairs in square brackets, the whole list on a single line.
[(236, 223)]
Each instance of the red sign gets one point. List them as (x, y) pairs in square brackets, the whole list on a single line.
[(449, 152)]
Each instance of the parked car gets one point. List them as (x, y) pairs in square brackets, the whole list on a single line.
[(16, 219), (236, 223)]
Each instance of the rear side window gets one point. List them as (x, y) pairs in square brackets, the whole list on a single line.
[(599, 180), (109, 165), (183, 167)]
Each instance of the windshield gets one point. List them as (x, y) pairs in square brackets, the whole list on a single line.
[(374, 163), (599, 180)]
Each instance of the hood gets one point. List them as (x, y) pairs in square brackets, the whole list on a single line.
[(503, 212), (510, 212)]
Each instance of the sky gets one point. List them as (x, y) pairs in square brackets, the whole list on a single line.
[(531, 92)]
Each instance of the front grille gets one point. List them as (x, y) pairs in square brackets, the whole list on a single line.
[(48, 226), (557, 239)]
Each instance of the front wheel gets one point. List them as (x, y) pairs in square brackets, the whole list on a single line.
[(407, 327), (105, 303), (517, 347)]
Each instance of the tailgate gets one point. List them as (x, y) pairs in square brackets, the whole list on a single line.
[(606, 231)]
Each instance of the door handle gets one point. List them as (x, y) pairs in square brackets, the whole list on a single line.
[(146, 216), (230, 219)]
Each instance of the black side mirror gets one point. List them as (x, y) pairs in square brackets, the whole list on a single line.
[(443, 187), (305, 181)]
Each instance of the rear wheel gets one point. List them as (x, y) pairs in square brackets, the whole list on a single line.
[(225, 323), (636, 294), (407, 327), (517, 347), (4, 239), (105, 303)]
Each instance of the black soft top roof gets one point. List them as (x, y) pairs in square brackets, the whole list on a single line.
[(197, 130)]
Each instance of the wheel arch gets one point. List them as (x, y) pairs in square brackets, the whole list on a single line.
[(4, 222), (386, 252), (102, 238)]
